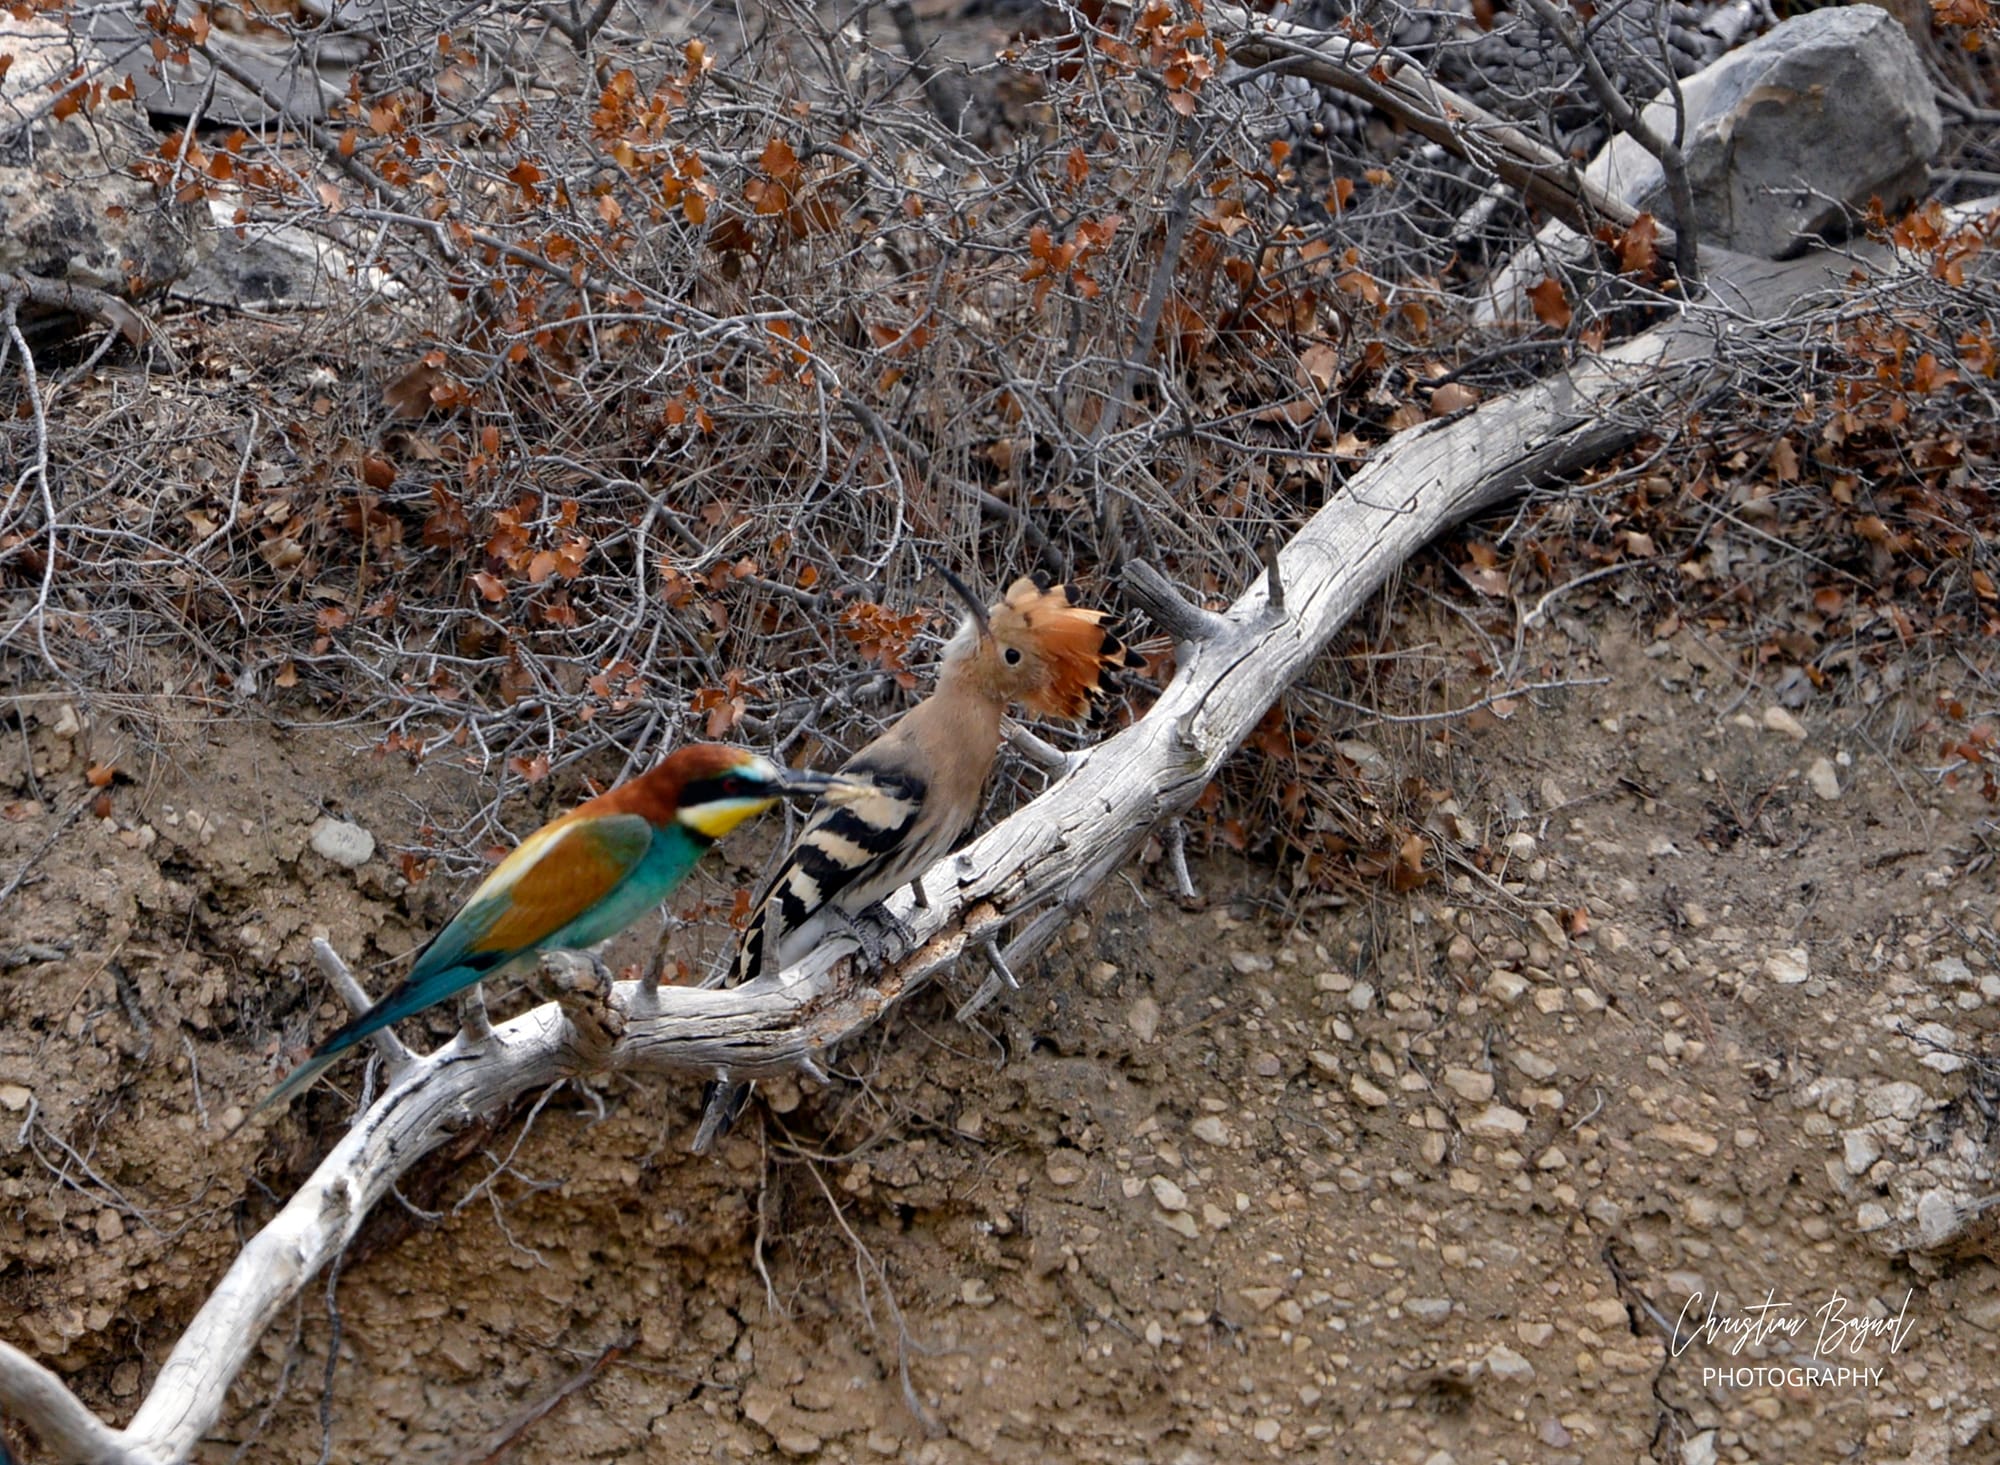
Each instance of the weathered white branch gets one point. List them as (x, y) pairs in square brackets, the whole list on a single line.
[(394, 1054), (1043, 860)]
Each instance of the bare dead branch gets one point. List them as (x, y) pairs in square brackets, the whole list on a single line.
[(1180, 617), (1666, 151), (80, 300)]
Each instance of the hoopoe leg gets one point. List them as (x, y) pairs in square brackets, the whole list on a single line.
[(874, 928)]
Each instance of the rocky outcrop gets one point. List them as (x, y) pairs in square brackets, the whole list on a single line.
[(1783, 139), (72, 208)]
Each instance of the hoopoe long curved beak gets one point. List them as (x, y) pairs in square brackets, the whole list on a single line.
[(837, 788)]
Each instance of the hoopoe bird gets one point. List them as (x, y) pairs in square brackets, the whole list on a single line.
[(582, 878), (918, 787)]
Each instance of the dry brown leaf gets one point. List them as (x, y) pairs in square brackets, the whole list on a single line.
[(1453, 397), (1551, 304)]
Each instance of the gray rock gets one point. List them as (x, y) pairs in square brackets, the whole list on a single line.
[(269, 266), (307, 73), (1497, 1121), (1789, 967), (347, 845), (1861, 1149), (1951, 970), (1898, 1100), (1937, 1218), (1784, 137), (71, 207)]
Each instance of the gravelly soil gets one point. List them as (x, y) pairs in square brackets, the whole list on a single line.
[(1450, 1176)]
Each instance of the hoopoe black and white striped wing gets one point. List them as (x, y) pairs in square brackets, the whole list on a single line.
[(851, 854)]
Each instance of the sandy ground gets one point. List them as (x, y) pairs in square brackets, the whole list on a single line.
[(1452, 1176)]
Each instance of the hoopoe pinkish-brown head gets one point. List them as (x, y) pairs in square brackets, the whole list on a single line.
[(1036, 648)]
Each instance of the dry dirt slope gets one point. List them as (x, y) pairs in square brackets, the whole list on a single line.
[(1419, 1179)]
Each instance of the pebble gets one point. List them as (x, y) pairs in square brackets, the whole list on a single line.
[(975, 1293), (1361, 997), (1872, 1216), (1063, 1166), (1898, 1100), (1520, 845), (1266, 1431), (1789, 967), (1367, 1093), (1939, 1046), (1683, 1137), (1506, 987), (1366, 757), (1247, 962), (1210, 1130), (1700, 1449), (1532, 1064), (1101, 979), (1469, 1084), (1144, 1019), (1552, 1159), (1950, 970), (347, 845), (14, 1097), (1169, 1196), (1550, 928), (1937, 1218), (1824, 782), (1778, 720), (1507, 1364), (1178, 1222), (1428, 1309), (1266, 1065), (1860, 1150), (1497, 1121)]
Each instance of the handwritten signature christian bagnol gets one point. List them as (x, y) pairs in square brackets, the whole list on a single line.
[(1838, 1325)]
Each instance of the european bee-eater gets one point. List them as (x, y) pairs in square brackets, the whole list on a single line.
[(581, 879)]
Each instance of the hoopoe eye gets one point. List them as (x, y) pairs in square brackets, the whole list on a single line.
[(1013, 655)]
